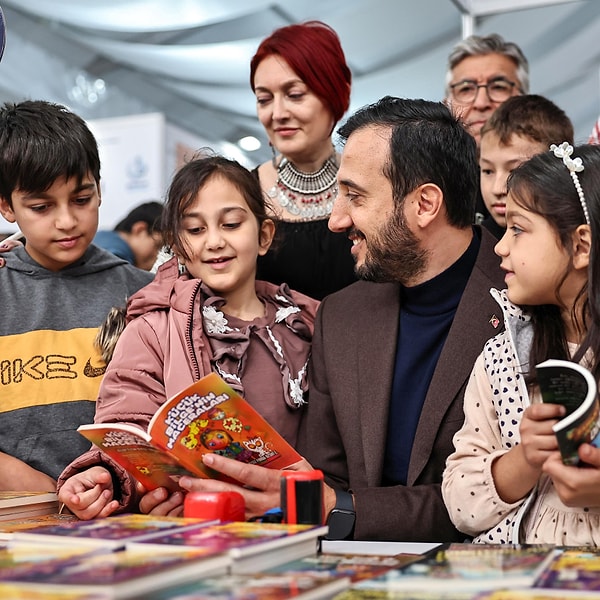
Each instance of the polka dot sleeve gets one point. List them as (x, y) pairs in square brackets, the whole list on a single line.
[(468, 487)]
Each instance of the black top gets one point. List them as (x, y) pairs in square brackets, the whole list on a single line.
[(309, 257), (426, 315)]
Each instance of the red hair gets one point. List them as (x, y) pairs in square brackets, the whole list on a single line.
[(313, 50)]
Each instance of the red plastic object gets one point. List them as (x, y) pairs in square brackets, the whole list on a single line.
[(302, 496), (225, 506)]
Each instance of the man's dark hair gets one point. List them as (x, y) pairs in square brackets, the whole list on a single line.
[(40, 142), (148, 212), (428, 145)]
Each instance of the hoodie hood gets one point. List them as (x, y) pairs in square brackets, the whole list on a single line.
[(94, 260)]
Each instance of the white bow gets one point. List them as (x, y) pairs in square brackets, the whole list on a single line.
[(564, 151)]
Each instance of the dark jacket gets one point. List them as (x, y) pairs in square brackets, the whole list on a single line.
[(344, 428)]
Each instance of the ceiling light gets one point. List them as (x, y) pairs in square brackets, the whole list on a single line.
[(249, 143)]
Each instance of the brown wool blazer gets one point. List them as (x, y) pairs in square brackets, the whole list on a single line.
[(344, 428)]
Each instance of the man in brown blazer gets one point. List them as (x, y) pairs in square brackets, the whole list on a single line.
[(392, 353)]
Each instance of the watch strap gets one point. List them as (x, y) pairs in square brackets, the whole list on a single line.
[(344, 500), (342, 517)]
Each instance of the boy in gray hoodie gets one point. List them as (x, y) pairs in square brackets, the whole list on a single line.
[(55, 290)]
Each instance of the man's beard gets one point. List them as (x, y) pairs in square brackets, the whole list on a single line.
[(394, 255)]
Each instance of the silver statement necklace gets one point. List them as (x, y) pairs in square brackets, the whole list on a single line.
[(307, 195)]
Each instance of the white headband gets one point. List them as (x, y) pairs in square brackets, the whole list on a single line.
[(575, 165)]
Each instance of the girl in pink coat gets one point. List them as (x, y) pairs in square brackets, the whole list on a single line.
[(204, 312)]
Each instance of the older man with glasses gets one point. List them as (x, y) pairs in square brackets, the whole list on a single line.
[(483, 72)]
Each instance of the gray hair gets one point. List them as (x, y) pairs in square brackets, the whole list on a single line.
[(476, 45)]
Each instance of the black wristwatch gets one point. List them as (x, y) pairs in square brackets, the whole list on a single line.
[(341, 518)]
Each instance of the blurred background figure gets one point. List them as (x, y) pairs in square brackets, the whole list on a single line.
[(595, 135), (483, 72), (137, 238), (302, 86), (522, 127)]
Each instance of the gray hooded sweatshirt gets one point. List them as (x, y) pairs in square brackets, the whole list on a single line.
[(50, 370)]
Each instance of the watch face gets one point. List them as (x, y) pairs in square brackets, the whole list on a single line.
[(341, 524)]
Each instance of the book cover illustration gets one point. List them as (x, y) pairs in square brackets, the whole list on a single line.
[(447, 594), (252, 545), (356, 567), (127, 446), (22, 591), (206, 417), (257, 586), (114, 531), (125, 572), (573, 386), (572, 569), (23, 523), (473, 567), (531, 594), (19, 560)]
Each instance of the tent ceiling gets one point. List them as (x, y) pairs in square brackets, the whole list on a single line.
[(189, 58)]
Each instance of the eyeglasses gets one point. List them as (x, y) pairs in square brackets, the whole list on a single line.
[(498, 90)]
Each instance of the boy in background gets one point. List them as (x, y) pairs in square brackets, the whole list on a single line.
[(518, 129), (137, 238), (55, 290)]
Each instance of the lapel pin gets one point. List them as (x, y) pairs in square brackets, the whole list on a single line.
[(494, 321)]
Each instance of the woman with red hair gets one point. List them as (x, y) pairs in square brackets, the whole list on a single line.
[(302, 86)]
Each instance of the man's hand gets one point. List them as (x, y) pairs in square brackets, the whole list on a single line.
[(160, 502), (259, 486)]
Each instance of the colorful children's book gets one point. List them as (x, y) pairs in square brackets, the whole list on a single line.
[(356, 567), (26, 504), (573, 386), (125, 573), (533, 594), (446, 594), (206, 417), (572, 570), (22, 591), (21, 559), (466, 567), (7, 528), (111, 532), (258, 586), (253, 546)]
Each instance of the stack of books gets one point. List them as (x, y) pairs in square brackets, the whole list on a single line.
[(487, 572), (166, 558), (18, 504), (130, 556)]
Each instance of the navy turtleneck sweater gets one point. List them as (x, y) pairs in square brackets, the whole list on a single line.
[(426, 314)]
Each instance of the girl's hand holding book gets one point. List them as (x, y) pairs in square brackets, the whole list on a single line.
[(537, 437), (576, 485)]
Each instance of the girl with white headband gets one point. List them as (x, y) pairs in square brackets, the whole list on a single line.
[(498, 485)]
